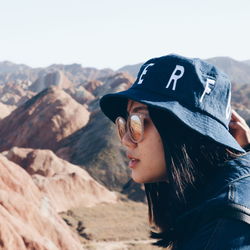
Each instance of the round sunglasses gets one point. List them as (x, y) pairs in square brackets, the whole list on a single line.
[(134, 125)]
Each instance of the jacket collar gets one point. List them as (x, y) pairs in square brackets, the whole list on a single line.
[(228, 172)]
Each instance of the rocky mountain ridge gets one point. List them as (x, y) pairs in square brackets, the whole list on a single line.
[(18, 73), (237, 70), (42, 121), (28, 219)]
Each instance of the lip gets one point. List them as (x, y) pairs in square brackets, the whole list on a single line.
[(133, 161), (131, 156)]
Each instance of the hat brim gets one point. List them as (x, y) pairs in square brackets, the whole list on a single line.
[(114, 105)]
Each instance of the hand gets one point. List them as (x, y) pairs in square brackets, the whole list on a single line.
[(239, 129)]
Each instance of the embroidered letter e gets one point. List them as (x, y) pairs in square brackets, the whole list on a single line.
[(144, 72)]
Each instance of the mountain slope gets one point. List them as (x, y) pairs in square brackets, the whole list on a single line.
[(42, 121)]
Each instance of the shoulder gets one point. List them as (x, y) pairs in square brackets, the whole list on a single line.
[(237, 181), (230, 184), (219, 234), (222, 219)]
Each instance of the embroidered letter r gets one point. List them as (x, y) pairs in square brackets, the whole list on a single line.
[(174, 77)]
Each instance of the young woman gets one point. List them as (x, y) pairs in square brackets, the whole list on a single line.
[(174, 123)]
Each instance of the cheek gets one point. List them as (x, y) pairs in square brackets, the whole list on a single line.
[(158, 160), (154, 160), (157, 150)]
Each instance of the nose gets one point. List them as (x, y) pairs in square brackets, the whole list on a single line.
[(127, 142)]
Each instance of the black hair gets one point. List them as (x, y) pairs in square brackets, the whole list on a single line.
[(191, 160)]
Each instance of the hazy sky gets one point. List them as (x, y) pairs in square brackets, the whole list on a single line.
[(113, 33)]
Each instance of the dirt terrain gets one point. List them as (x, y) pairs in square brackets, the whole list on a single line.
[(122, 226)]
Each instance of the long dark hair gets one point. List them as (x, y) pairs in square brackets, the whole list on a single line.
[(191, 160)]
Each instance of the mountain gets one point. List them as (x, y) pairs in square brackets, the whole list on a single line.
[(80, 94), (97, 149), (239, 72), (78, 74), (55, 78), (58, 78), (10, 72), (96, 146), (14, 94), (55, 119), (113, 83), (5, 110), (75, 73), (92, 85), (43, 121), (9, 67), (28, 218), (247, 62), (65, 185), (131, 69)]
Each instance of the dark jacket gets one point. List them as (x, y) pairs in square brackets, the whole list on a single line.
[(222, 220)]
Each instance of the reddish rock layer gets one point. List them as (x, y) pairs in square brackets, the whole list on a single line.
[(43, 121), (28, 219), (66, 185), (14, 94), (5, 110)]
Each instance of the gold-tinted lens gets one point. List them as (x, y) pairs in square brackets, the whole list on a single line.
[(121, 126), (135, 128)]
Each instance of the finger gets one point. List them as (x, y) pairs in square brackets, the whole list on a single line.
[(236, 117), (237, 126)]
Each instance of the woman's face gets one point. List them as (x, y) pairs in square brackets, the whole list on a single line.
[(147, 160)]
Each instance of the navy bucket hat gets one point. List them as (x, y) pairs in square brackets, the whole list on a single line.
[(194, 91)]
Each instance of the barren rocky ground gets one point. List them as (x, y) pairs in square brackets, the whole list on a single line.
[(122, 226)]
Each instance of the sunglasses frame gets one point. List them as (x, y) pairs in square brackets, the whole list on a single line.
[(126, 122)]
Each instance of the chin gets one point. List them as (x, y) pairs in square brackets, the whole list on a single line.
[(144, 180), (138, 179), (141, 180)]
